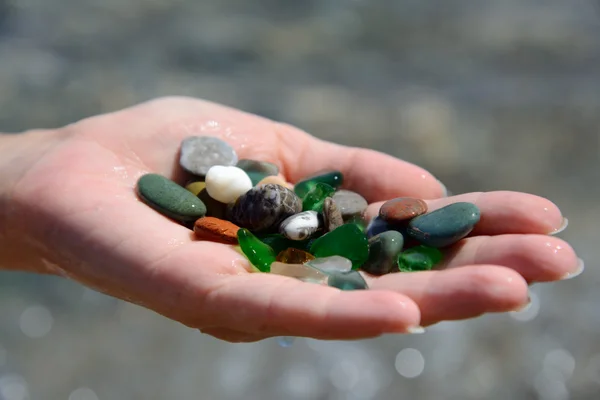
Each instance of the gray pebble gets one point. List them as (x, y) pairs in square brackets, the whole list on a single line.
[(350, 203), (200, 153)]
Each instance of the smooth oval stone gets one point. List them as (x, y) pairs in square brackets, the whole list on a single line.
[(346, 241), (351, 280), (195, 187), (446, 226), (383, 253), (332, 217), (315, 197), (214, 208), (305, 273), (257, 170), (379, 225), (331, 264), (419, 258), (351, 204), (294, 256), (258, 253), (402, 209), (333, 178), (200, 153), (216, 230), (169, 198), (301, 226), (279, 242), (263, 208), (226, 184)]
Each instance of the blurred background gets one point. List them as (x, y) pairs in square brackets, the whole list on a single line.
[(500, 95)]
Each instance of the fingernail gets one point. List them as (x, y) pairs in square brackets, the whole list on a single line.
[(561, 228), (415, 330), (525, 306), (445, 192), (576, 272)]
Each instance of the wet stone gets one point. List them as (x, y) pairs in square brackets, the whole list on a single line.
[(169, 198), (200, 153), (419, 258), (226, 184), (302, 272), (258, 253), (294, 256), (315, 197), (263, 208), (402, 209), (195, 187), (216, 230), (301, 226), (331, 264), (351, 204), (445, 226), (332, 217), (347, 241), (383, 253), (258, 170), (214, 208), (279, 242), (333, 178), (351, 280)]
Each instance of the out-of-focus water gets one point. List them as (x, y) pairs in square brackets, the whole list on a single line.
[(486, 95)]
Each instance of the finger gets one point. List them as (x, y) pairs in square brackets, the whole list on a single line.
[(376, 176), (537, 258), (459, 293), (270, 305), (503, 212)]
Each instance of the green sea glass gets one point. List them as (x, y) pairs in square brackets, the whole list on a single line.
[(279, 242), (419, 258), (259, 254), (331, 178), (315, 197), (346, 241)]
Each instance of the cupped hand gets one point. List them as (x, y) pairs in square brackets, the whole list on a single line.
[(77, 208)]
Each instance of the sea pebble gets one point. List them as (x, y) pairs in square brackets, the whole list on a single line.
[(226, 184), (301, 226), (200, 153)]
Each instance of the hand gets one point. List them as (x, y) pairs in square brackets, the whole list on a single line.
[(76, 213)]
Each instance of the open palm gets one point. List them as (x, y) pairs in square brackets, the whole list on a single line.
[(78, 208)]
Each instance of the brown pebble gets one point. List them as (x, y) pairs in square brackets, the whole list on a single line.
[(294, 256), (216, 230), (332, 216), (402, 209), (214, 208)]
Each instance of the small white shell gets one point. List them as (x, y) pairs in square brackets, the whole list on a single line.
[(300, 226), (226, 184)]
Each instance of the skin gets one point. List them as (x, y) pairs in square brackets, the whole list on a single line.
[(68, 207)]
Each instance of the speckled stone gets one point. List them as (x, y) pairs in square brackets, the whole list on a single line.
[(332, 217), (402, 209), (383, 253), (301, 226), (445, 226), (200, 153), (169, 198), (263, 208), (351, 204)]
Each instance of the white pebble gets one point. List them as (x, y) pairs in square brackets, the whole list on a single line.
[(226, 184)]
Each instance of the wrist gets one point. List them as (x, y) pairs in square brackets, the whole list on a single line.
[(18, 153)]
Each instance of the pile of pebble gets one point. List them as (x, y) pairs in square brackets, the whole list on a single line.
[(314, 230)]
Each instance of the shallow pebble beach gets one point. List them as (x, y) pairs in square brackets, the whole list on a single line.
[(486, 95)]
